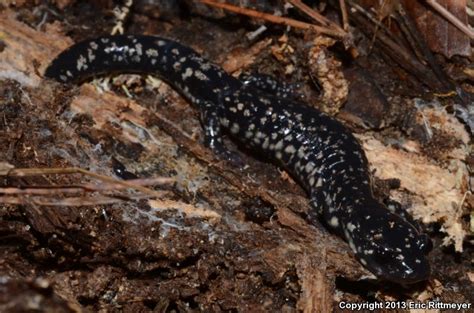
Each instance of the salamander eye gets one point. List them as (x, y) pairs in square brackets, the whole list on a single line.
[(424, 243)]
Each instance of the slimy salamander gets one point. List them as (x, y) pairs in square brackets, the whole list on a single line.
[(317, 150)]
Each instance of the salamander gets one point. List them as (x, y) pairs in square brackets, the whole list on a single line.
[(316, 149)]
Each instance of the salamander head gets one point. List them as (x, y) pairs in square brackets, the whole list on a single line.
[(389, 246)]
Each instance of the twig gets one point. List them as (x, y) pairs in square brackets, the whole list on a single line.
[(345, 16), (274, 19), (40, 191), (378, 23), (251, 36), (411, 38), (401, 55), (70, 201), (21, 172), (310, 12), (55, 189), (451, 18), (316, 16), (417, 39)]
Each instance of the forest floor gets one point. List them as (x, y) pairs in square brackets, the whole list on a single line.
[(217, 238)]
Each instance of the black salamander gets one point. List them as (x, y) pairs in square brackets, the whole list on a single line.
[(316, 149)]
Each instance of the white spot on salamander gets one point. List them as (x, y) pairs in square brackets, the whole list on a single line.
[(279, 145), (90, 55), (334, 222), (151, 53), (290, 149), (309, 167), (235, 128), (81, 63), (350, 227), (205, 66), (188, 73), (200, 75), (139, 48)]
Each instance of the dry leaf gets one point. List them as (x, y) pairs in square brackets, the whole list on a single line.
[(441, 35)]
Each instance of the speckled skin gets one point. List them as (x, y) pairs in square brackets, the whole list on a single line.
[(316, 149)]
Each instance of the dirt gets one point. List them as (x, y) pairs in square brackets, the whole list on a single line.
[(219, 239)]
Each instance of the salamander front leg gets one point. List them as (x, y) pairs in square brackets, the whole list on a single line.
[(396, 208), (271, 86), (213, 135), (317, 209)]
